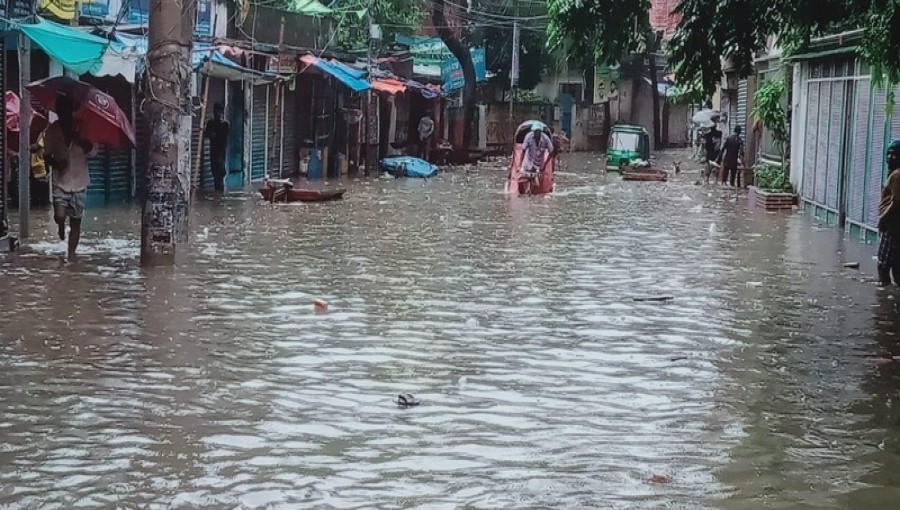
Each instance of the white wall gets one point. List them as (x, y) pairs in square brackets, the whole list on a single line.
[(549, 85)]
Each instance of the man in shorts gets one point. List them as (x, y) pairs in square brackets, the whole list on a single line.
[(712, 142), (67, 155)]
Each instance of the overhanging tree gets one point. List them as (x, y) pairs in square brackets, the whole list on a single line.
[(462, 54), (606, 32), (735, 30)]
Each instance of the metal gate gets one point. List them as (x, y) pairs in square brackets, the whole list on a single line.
[(259, 130)]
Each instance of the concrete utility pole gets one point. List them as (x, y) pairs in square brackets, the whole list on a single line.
[(24, 137), (165, 216)]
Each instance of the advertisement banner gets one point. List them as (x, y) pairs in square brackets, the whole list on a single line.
[(452, 73)]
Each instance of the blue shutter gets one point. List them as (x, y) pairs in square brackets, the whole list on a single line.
[(809, 153), (857, 192), (110, 177)]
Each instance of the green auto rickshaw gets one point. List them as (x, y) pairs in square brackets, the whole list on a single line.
[(627, 143)]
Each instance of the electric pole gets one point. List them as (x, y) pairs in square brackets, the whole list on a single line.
[(165, 216)]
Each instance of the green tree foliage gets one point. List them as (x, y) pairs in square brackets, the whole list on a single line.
[(394, 16), (737, 29), (602, 31), (769, 108)]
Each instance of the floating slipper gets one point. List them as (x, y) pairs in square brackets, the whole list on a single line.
[(407, 400)]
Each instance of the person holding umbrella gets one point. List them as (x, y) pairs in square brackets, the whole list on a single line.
[(67, 153), (87, 118)]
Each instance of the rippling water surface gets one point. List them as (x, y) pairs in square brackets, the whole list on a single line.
[(545, 384)]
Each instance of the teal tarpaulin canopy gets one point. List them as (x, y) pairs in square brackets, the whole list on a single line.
[(77, 51), (310, 7)]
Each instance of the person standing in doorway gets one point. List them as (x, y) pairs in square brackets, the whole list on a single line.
[(426, 129), (889, 220), (217, 131), (67, 155), (732, 157)]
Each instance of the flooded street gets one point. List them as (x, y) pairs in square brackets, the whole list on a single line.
[(544, 383)]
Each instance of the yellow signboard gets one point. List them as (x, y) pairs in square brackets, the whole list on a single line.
[(65, 10)]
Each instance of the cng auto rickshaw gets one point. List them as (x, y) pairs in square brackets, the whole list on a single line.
[(627, 144)]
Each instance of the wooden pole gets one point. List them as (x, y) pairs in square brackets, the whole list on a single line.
[(195, 175), (167, 201), (279, 86)]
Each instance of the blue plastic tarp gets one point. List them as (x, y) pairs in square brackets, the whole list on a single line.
[(354, 79), (408, 166)]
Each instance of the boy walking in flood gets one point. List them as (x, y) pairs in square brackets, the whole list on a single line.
[(889, 220)]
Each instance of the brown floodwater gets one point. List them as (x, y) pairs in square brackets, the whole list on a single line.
[(544, 383)]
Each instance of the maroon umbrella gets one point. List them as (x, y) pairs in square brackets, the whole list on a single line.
[(98, 118), (38, 122)]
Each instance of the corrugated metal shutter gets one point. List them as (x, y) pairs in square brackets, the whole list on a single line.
[(258, 133), (110, 172), (289, 165), (809, 159), (741, 116), (876, 158), (834, 143), (857, 192), (204, 180), (822, 143)]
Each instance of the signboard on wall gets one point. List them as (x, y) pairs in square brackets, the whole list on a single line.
[(452, 73), (605, 84), (138, 14)]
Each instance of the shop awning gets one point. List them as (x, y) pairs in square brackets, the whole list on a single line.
[(309, 7), (389, 86), (77, 51), (354, 79), (211, 62)]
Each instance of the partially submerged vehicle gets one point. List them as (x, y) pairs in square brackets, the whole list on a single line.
[(627, 144), (529, 183)]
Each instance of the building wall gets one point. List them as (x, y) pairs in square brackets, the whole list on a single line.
[(549, 86), (663, 16)]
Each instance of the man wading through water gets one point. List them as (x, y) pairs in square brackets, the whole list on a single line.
[(889, 220), (217, 132), (67, 153)]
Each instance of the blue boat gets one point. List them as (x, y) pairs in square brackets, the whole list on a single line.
[(408, 166)]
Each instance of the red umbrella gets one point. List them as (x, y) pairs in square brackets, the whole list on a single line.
[(38, 122), (97, 116)]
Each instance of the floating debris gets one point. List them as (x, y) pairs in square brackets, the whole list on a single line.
[(407, 400), (654, 299), (659, 479), (320, 305), (852, 265)]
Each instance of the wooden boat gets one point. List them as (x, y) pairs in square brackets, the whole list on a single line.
[(633, 173), (300, 195)]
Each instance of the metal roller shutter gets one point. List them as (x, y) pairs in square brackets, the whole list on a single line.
[(204, 179), (835, 137), (258, 133), (876, 158), (741, 115), (289, 133), (110, 173), (809, 159), (822, 143), (857, 192)]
